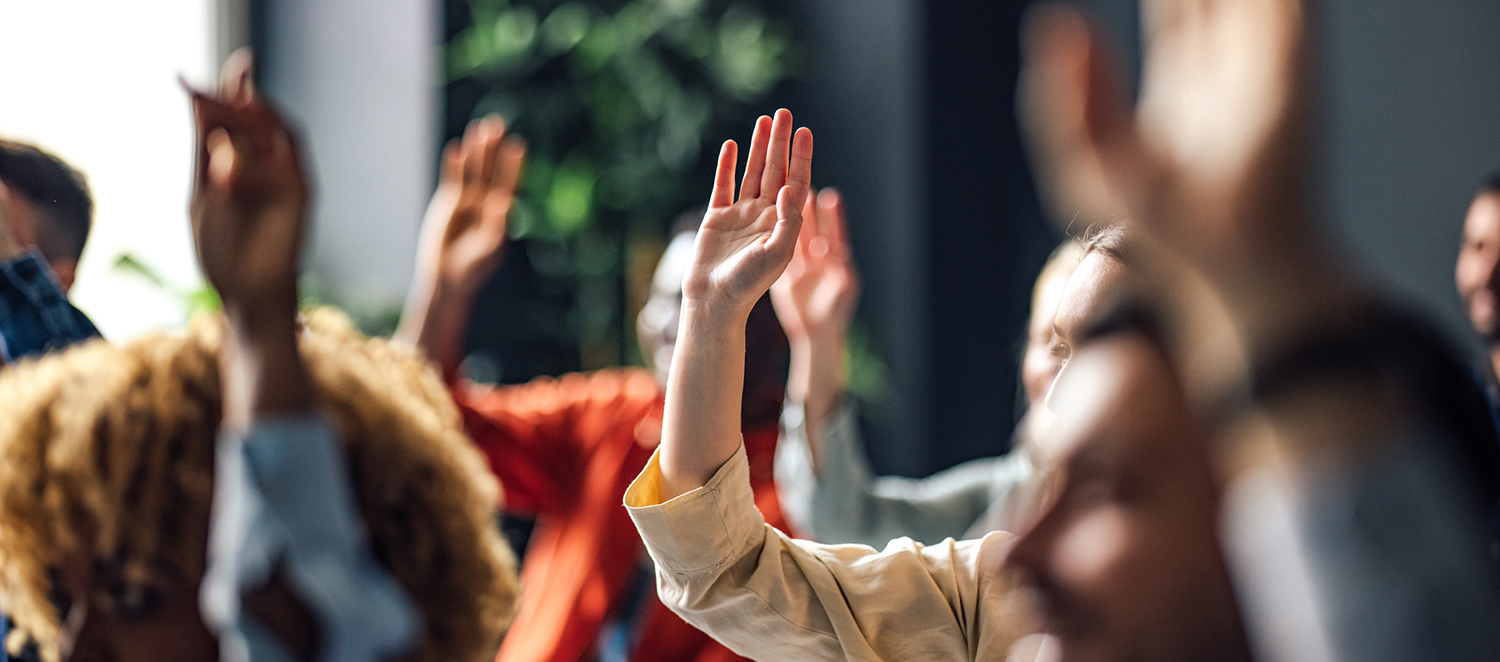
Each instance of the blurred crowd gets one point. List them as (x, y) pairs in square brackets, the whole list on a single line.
[(1234, 448)]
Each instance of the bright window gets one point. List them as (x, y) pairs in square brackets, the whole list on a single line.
[(95, 82)]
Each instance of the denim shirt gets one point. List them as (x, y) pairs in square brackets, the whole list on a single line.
[(35, 316)]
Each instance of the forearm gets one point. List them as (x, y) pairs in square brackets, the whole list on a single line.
[(435, 320), (262, 370), (816, 379), (701, 424)]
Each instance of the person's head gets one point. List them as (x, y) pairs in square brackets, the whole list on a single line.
[(1477, 273), (1039, 364), (766, 345), (108, 477), (1100, 278), (48, 205), (1124, 556)]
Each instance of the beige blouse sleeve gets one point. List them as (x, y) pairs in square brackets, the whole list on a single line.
[(770, 597)]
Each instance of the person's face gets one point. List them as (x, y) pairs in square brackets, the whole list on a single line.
[(1098, 279), (23, 216), (1124, 557), (1477, 274), (126, 612), (656, 325), (1040, 364)]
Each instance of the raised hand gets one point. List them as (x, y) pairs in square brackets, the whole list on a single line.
[(816, 295), (463, 235), (464, 228), (250, 196), (1212, 163), (741, 249), (249, 211), (745, 244), (815, 300)]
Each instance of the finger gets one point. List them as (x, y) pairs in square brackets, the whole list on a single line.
[(511, 159), (222, 159), (723, 194), (809, 230), (493, 130), (755, 164), (799, 178), (209, 115), (776, 155), (783, 240), (453, 163), (831, 222), (472, 148), (235, 77)]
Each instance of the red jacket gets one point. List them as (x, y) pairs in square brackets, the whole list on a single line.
[(565, 449)]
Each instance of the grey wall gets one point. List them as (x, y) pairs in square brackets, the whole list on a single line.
[(1413, 125), (360, 77), (864, 98)]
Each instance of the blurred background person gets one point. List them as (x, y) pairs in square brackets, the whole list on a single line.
[(823, 473), (45, 213), (49, 206), (565, 448), (1326, 399), (1477, 276)]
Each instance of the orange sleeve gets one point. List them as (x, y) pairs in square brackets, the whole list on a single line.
[(538, 436)]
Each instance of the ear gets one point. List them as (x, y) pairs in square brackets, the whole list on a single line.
[(64, 269)]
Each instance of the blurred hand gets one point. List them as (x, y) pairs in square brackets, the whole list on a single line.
[(250, 196), (462, 239), (745, 244), (815, 300), (1211, 165), (816, 296), (464, 229), (249, 210)]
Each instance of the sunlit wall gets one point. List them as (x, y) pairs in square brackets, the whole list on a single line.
[(94, 81)]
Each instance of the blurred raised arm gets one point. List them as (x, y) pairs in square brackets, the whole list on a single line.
[(462, 239)]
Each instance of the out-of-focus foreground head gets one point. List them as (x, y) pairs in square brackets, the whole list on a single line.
[(1039, 365), (49, 206), (1124, 557), (1100, 278), (107, 483), (765, 343), (1477, 274)]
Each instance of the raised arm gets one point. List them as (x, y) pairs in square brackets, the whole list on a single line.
[(462, 239), (815, 300), (742, 247), (286, 549)]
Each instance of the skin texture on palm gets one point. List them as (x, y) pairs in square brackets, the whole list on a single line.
[(742, 248), (462, 239)]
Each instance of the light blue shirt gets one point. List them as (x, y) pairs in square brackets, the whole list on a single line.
[(283, 497), (848, 503)]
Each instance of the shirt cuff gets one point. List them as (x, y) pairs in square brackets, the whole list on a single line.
[(700, 531)]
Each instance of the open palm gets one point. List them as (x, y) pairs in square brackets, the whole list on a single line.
[(464, 229), (743, 245), (816, 296)]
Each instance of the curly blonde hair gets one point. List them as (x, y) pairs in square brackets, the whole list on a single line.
[(108, 451)]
